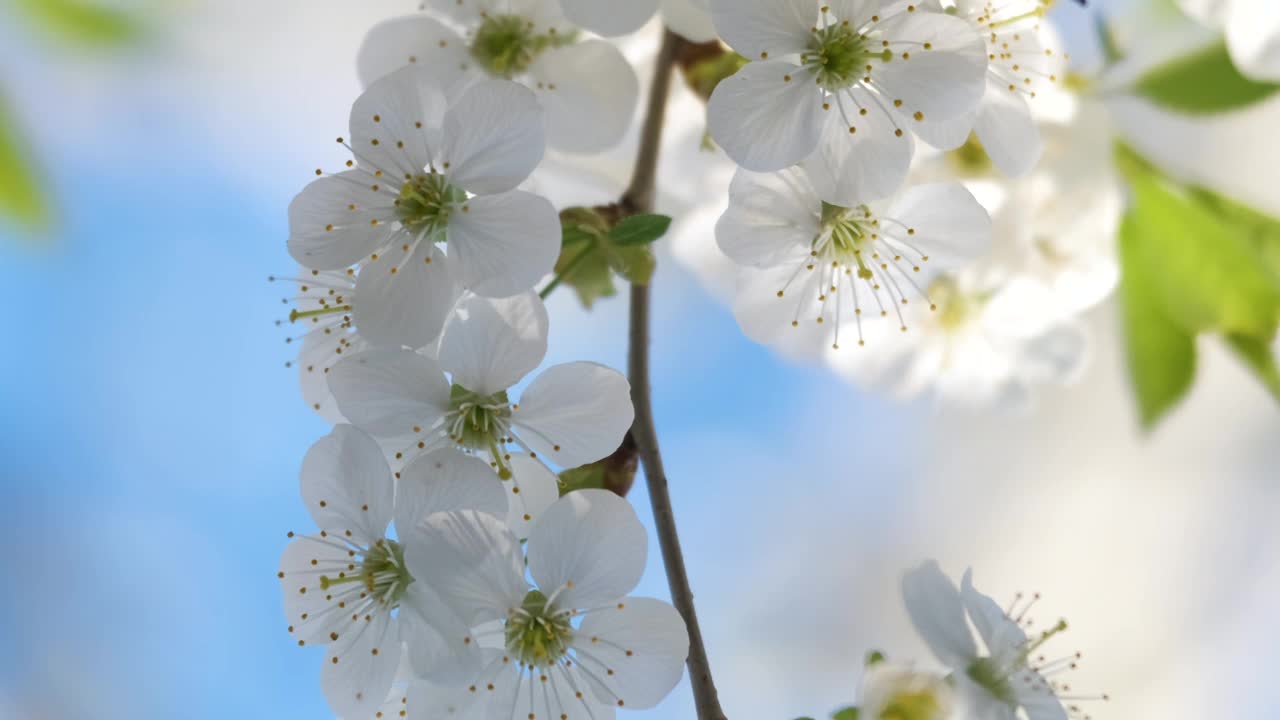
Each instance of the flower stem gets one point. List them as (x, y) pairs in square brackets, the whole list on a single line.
[(639, 198), (568, 268)]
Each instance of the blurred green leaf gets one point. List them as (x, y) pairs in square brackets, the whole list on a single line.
[(83, 22), (1205, 81), (1162, 355), (21, 198), (640, 229), (1260, 358), (849, 713)]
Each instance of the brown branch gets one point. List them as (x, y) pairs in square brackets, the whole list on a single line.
[(639, 198)]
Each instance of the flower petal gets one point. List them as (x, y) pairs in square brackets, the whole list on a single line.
[(589, 548), (1253, 38), (504, 244), (339, 220), (575, 413), (393, 395), (865, 159), (472, 560), (1038, 702), (772, 218), (445, 480), (493, 137), (610, 19), (490, 345), (321, 351), (943, 134), (404, 301), (690, 19), (999, 633), (938, 615), (346, 485), (360, 668), (643, 641), (435, 638), (390, 122), (532, 489), (412, 40), (943, 82), (1007, 131), (950, 226), (311, 612), (760, 29), (768, 116), (589, 92), (787, 321)]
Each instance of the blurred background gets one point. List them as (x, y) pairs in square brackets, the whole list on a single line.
[(150, 434)]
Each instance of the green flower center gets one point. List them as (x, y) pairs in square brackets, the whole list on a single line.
[(954, 306), (382, 572), (506, 45), (538, 634), (481, 422), (911, 705), (970, 159), (990, 677), (837, 55), (426, 201), (845, 233)]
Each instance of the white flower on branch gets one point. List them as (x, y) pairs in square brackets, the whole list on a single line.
[(426, 174), (348, 586), (861, 71), (586, 86), (1024, 57), (830, 269), (569, 415), (569, 645), (1011, 678)]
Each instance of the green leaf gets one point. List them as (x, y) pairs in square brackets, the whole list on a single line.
[(83, 22), (1260, 358), (21, 198), (1162, 355), (849, 713), (636, 264), (1205, 81), (640, 229)]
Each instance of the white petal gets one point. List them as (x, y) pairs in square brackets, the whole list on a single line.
[(493, 137), (490, 345), (532, 489), (589, 547), (938, 615), (575, 413), (389, 393), (321, 351), (391, 120), (689, 19), (1056, 356), (999, 633), (1038, 703), (764, 121), (849, 168), (472, 560), (788, 321), (942, 134), (609, 17), (408, 307), (412, 40), (943, 82), (589, 92), (311, 610), (1007, 131), (772, 218), (435, 638), (445, 480), (1212, 13), (325, 233), (443, 701), (760, 29), (857, 12), (367, 657), (951, 227), (346, 485), (644, 642), (1253, 37), (504, 244)]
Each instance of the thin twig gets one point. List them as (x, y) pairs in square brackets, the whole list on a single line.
[(640, 198)]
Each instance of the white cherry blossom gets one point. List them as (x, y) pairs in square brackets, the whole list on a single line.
[(1252, 29), (347, 586), (891, 692), (569, 414), (570, 644), (862, 73), (1009, 678), (586, 87), (827, 269), (427, 174)]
